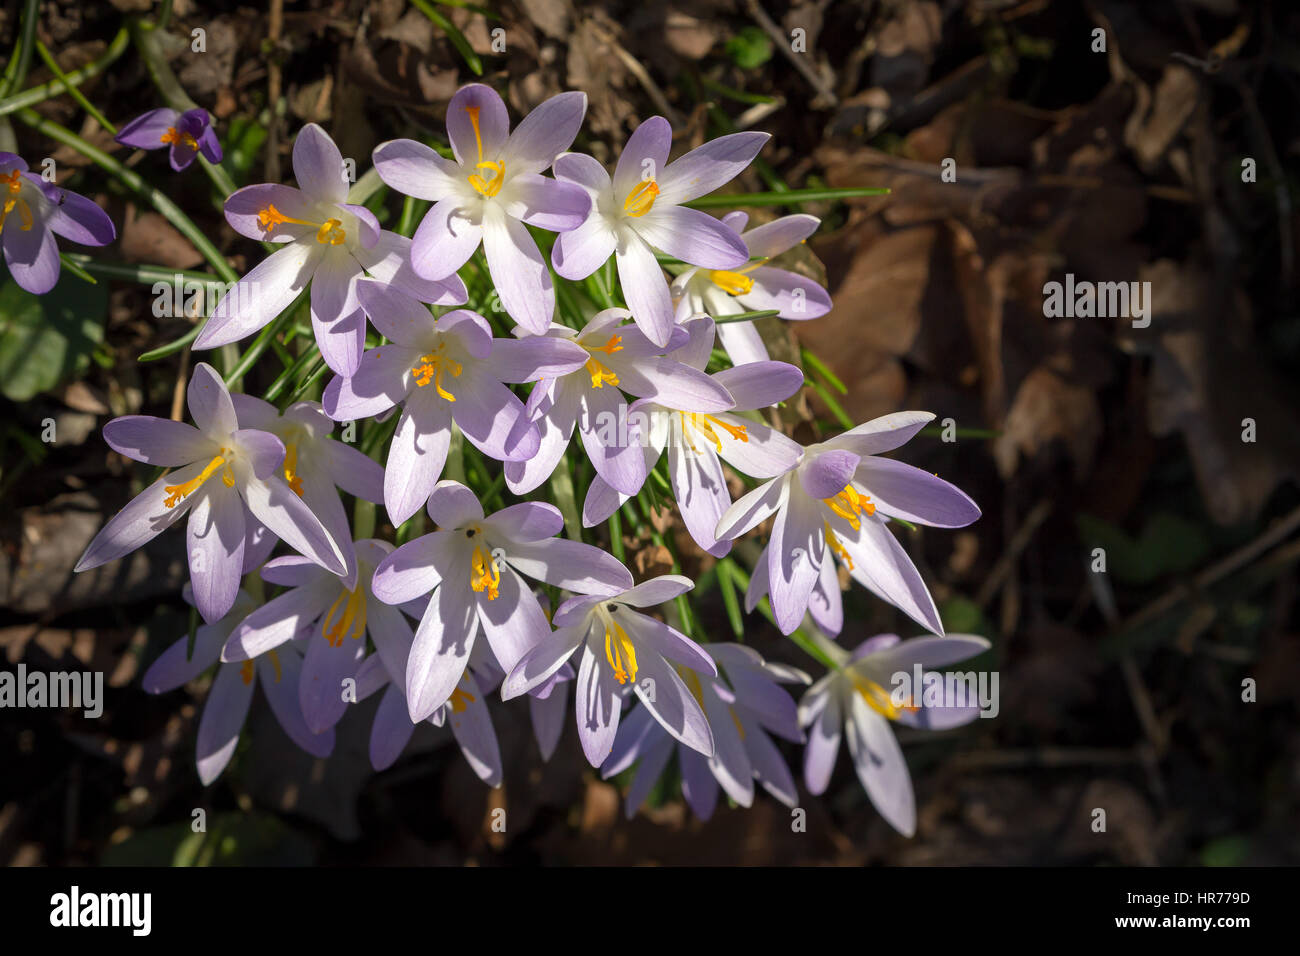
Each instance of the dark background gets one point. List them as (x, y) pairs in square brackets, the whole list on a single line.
[(1120, 690)]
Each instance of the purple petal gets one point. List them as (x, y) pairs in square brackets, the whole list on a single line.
[(209, 402), (146, 131), (318, 165), (544, 133), (581, 251), (597, 708), (518, 271), (260, 295), (761, 384), (545, 203), (645, 155), (644, 287), (416, 170), (493, 124), (222, 720), (826, 475), (692, 236), (707, 167), (78, 219), (901, 491), (33, 257), (244, 205), (156, 441), (444, 241), (416, 455)]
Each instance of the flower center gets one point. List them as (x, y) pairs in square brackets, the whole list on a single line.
[(174, 137), (351, 620), (619, 649), (490, 184), (878, 699), (735, 283), (851, 506), (432, 365), (13, 184), (249, 668), (459, 700), (291, 467), (705, 425), (176, 492), (600, 374), (641, 198), (487, 575), (329, 232)]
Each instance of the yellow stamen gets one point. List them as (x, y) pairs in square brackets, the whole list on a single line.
[(432, 365), (620, 652), (878, 699), (487, 576), (692, 682), (291, 468), (837, 546), (176, 492), (600, 374), (275, 662), (641, 198), (247, 670), (736, 720), (330, 232), (459, 700), (491, 185), (851, 506), (14, 183), (705, 424), (737, 282), (173, 136), (352, 620)]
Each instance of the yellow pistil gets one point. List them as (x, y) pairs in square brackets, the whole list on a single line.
[(620, 652), (352, 620), (837, 546), (878, 699), (641, 198), (174, 137), (735, 719), (487, 576), (459, 700), (176, 492), (330, 232), (705, 424), (291, 467), (735, 283), (13, 186), (600, 374), (851, 506), (432, 365), (491, 185)]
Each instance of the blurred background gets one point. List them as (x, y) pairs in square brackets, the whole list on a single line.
[(1168, 157)]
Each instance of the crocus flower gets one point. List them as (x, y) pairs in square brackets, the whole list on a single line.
[(494, 186), (640, 210), (185, 134), (465, 712), (698, 441), (836, 501), (858, 699), (316, 466), (232, 690), (609, 359), (336, 619), (474, 563), (755, 287), (223, 473), (621, 648), (34, 212), (329, 243), (440, 371), (741, 715)]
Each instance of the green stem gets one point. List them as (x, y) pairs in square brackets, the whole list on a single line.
[(16, 69), (75, 93), (54, 87)]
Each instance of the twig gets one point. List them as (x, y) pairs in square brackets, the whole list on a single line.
[(782, 42), (993, 583)]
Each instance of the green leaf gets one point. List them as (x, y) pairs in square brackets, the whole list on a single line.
[(45, 339), (749, 48)]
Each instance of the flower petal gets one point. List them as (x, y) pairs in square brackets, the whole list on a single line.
[(692, 236), (445, 240), (902, 491), (518, 271), (221, 723), (260, 295), (644, 287), (156, 441), (707, 167), (416, 455), (416, 170), (318, 165)]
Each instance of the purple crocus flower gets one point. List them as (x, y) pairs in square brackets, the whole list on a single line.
[(640, 210), (836, 501), (33, 213), (225, 477), (698, 441), (858, 698), (741, 716), (492, 189), (185, 134), (609, 359), (441, 371), (474, 563), (316, 466), (465, 712), (621, 648), (232, 690), (755, 287), (329, 243), (336, 619)]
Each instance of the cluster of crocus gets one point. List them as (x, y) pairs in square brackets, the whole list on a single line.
[(448, 619)]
